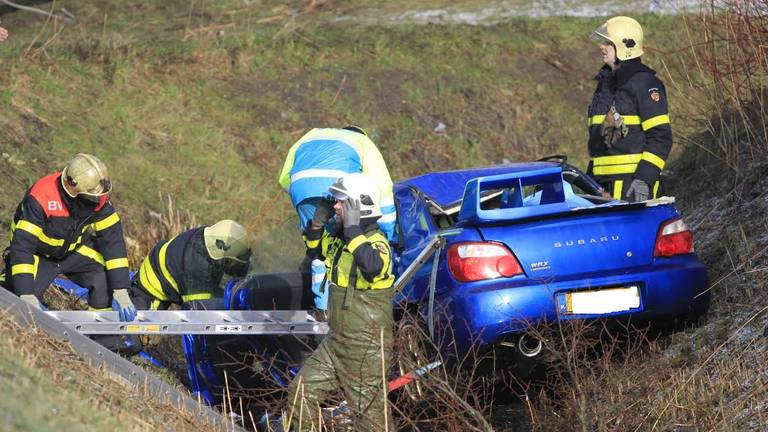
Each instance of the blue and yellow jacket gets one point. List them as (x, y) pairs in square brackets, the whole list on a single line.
[(321, 156)]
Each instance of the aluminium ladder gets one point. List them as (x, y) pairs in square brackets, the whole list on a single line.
[(224, 322), (196, 322)]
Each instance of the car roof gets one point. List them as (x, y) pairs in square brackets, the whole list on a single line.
[(446, 188)]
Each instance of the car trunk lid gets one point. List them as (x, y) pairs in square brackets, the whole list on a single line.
[(532, 214)]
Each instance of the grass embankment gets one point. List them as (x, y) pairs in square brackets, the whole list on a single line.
[(201, 101), (46, 387)]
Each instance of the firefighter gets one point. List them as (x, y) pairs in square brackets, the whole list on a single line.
[(65, 224), (358, 261), (320, 157), (629, 131), (187, 269)]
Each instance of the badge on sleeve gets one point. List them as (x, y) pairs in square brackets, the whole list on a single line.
[(654, 93), (381, 247)]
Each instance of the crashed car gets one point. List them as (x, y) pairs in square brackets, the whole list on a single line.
[(515, 245)]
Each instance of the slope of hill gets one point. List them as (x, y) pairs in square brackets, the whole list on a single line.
[(200, 101)]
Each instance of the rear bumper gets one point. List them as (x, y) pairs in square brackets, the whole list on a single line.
[(668, 288)]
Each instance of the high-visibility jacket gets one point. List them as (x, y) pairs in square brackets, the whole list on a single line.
[(321, 156), (359, 258), (50, 223), (181, 270), (641, 99)]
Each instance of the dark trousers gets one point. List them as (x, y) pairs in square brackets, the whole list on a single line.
[(78, 268)]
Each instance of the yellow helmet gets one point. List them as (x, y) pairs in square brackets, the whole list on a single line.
[(227, 239), (626, 35), (87, 175)]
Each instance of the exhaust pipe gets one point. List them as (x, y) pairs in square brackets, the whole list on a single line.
[(529, 347)]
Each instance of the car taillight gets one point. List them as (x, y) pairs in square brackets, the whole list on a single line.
[(476, 261), (674, 238)]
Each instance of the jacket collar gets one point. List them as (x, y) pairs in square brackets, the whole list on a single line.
[(369, 224), (629, 68), (622, 75), (605, 73)]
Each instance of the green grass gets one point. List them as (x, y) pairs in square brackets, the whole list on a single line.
[(47, 387), (34, 402), (174, 107)]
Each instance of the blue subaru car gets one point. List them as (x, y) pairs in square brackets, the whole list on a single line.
[(511, 246), (538, 242)]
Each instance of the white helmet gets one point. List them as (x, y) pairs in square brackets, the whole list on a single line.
[(87, 175), (360, 187), (227, 239)]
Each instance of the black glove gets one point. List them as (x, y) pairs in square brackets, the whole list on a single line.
[(638, 191), (351, 213), (323, 212)]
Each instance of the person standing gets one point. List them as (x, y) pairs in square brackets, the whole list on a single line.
[(65, 224), (358, 348), (630, 136)]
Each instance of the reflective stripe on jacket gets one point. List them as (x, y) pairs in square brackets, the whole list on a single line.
[(321, 156), (361, 257), (180, 270), (640, 97), (50, 223)]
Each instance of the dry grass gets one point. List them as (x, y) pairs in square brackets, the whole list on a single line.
[(142, 236), (714, 377), (48, 387)]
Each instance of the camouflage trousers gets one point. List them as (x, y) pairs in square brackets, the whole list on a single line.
[(349, 358)]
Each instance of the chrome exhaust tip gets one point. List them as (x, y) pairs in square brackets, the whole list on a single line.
[(529, 347)]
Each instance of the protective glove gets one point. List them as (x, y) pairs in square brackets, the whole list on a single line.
[(638, 191), (32, 300), (351, 215), (127, 311), (318, 285), (323, 212)]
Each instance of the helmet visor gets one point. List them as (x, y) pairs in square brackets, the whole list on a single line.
[(337, 191), (102, 188), (339, 195), (601, 34)]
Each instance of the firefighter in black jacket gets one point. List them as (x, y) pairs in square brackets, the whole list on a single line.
[(629, 132), (189, 267), (66, 225)]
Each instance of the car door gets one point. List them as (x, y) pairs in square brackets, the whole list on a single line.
[(415, 229)]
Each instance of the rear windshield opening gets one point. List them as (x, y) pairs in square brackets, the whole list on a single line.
[(530, 195)]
